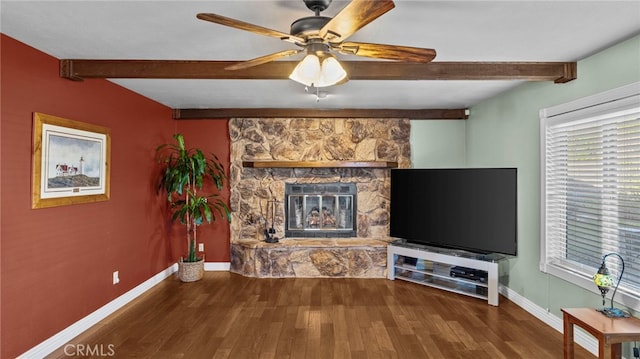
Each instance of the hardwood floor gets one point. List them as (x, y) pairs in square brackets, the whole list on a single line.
[(229, 316)]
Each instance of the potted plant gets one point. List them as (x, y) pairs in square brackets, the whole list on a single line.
[(185, 172)]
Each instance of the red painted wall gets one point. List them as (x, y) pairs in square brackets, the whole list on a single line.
[(57, 263)]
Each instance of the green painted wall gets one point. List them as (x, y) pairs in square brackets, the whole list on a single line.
[(438, 144), (504, 132)]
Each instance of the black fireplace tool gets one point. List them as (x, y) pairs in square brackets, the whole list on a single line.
[(269, 233)]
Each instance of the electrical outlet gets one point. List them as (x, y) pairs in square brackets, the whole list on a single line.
[(116, 277), (200, 247)]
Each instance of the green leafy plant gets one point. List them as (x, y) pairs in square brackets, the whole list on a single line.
[(186, 171)]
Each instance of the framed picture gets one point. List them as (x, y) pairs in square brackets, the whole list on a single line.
[(70, 162)]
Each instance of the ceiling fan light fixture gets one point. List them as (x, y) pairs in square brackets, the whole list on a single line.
[(310, 72)]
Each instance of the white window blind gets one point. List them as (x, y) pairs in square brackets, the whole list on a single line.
[(591, 187)]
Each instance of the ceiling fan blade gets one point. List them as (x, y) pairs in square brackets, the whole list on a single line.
[(389, 52), (353, 17), (261, 60), (218, 19)]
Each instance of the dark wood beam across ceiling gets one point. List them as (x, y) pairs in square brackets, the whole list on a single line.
[(224, 113), (559, 72)]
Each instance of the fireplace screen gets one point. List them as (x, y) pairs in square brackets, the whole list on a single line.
[(320, 210)]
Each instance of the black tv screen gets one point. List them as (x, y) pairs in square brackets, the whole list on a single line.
[(473, 209)]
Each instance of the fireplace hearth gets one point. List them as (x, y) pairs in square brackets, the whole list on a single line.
[(320, 210)]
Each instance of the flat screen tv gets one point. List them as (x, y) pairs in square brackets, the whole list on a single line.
[(473, 209)]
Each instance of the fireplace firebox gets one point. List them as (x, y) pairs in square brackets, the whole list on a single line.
[(320, 210)]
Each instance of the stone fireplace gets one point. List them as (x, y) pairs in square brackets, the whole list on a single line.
[(292, 199)]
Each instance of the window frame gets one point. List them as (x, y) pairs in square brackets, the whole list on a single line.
[(601, 103)]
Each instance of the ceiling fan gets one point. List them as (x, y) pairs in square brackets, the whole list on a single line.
[(320, 36)]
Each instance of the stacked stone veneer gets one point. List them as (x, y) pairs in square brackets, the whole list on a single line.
[(312, 140)]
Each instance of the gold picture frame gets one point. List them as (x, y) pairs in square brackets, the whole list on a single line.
[(70, 162)]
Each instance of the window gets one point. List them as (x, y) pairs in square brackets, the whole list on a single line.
[(590, 189)]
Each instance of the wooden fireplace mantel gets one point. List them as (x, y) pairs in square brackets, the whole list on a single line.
[(319, 164)]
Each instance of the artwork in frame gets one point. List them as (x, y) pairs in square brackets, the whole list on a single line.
[(70, 162)]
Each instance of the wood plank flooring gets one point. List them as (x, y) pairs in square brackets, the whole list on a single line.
[(229, 316)]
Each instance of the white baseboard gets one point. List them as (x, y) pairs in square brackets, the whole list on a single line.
[(61, 338), (217, 266), (581, 337)]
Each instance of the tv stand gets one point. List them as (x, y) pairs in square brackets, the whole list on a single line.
[(462, 272)]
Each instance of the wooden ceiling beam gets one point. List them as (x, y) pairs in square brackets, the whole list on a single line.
[(225, 113), (559, 72)]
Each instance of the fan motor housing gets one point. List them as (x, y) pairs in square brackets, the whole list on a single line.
[(308, 25)]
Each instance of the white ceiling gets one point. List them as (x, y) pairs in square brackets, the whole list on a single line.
[(458, 30)]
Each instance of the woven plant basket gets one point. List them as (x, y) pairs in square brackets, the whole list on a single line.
[(191, 271)]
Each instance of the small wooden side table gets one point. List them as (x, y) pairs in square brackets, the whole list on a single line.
[(610, 332)]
